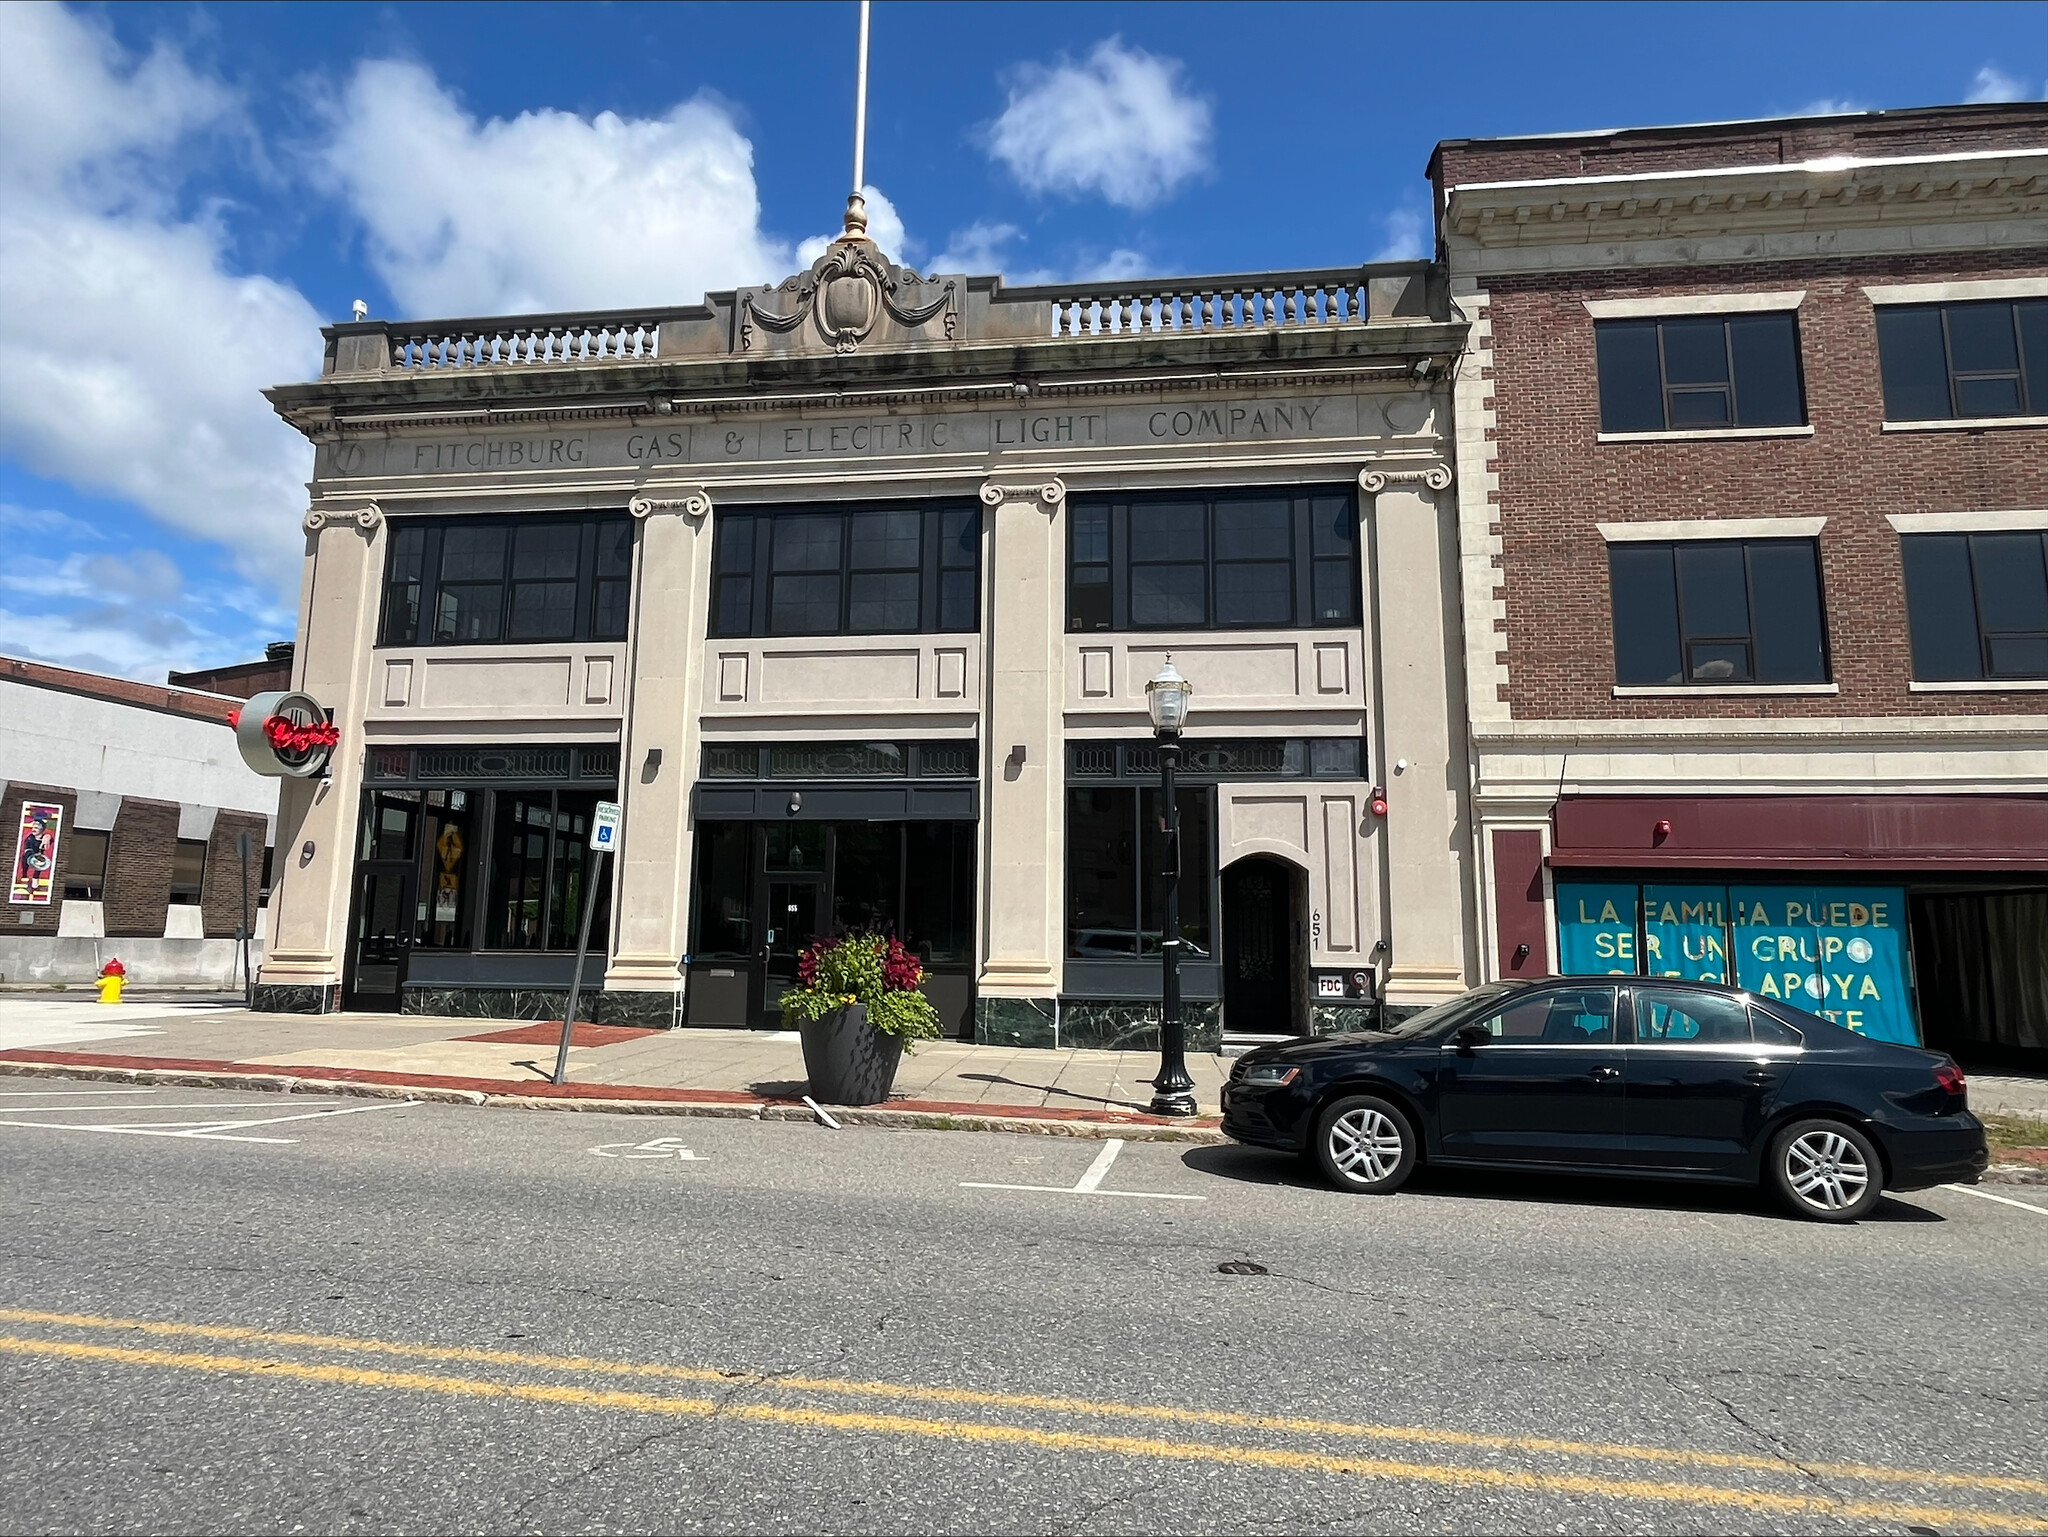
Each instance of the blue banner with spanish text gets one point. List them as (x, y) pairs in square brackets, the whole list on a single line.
[(1835, 951)]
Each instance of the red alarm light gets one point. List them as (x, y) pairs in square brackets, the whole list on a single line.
[(1663, 828), (1379, 801)]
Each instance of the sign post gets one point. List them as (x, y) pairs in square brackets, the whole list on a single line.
[(604, 839), (242, 933)]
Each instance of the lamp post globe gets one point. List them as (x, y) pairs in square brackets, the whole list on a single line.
[(1167, 699)]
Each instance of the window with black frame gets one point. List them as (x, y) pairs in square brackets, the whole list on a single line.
[(1226, 560), (480, 581), (1115, 849), (892, 570), (1945, 362), (1718, 611), (1697, 373), (1977, 605)]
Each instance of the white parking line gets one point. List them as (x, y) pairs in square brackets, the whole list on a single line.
[(2002, 1200), (1089, 1183), (211, 1131), (65, 1093)]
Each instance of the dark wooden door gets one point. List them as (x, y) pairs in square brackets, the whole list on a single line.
[(381, 935), (1258, 949)]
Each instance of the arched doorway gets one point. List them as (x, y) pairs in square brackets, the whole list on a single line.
[(1262, 947)]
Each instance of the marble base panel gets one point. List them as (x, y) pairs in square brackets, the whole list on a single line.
[(1344, 1018), (1016, 1022), (295, 998), (648, 1011), (1097, 1024)]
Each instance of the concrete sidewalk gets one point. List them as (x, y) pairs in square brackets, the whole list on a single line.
[(722, 1071)]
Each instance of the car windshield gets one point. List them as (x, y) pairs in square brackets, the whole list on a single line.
[(1444, 1013)]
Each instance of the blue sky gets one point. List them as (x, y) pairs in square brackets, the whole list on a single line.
[(188, 191)]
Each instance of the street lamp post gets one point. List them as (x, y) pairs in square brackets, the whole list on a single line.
[(1166, 700)]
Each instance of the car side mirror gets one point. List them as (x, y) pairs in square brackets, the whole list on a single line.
[(1469, 1036)]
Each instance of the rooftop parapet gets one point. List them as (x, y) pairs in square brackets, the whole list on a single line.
[(852, 299)]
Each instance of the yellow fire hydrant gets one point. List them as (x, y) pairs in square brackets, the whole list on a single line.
[(113, 976)]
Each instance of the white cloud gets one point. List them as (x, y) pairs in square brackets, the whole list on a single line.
[(885, 229), (1118, 126), (1117, 265), (1994, 84), (978, 248), (546, 211), (132, 354), (1407, 232), (1830, 106)]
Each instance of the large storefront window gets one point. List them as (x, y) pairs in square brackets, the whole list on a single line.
[(837, 571), (1838, 950), (1115, 853), (1232, 560), (474, 581)]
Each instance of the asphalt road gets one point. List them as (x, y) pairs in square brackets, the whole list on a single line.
[(425, 1318)]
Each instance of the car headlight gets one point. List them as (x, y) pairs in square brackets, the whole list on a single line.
[(1270, 1075)]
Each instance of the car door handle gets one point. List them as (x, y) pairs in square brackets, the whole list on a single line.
[(1761, 1077), (1603, 1073)]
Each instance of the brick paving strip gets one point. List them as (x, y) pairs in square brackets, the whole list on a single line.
[(770, 1068)]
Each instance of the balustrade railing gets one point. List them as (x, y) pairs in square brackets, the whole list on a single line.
[(540, 340), (1252, 302)]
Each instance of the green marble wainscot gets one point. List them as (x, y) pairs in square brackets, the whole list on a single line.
[(1015, 1022), (294, 998), (1343, 1018), (1098, 1024), (647, 1010)]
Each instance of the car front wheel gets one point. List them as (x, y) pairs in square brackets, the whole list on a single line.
[(1364, 1144), (1826, 1170)]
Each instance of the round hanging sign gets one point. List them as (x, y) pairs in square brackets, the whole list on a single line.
[(285, 734)]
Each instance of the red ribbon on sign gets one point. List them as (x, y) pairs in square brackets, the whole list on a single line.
[(289, 736)]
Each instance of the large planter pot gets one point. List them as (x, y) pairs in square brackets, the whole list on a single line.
[(848, 1060)]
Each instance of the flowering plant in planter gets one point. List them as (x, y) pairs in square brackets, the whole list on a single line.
[(872, 970)]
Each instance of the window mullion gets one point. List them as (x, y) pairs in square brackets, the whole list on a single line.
[(1728, 357), (1663, 377), (1948, 364), (1977, 612)]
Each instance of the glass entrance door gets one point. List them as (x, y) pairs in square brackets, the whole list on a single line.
[(788, 918), (381, 936)]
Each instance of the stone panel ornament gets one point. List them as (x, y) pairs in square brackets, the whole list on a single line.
[(842, 299)]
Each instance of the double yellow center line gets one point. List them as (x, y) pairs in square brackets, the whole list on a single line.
[(1288, 1459)]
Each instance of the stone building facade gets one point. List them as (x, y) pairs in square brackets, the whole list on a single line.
[(848, 590), (1752, 469)]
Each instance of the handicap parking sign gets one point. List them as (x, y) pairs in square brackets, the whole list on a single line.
[(604, 830)]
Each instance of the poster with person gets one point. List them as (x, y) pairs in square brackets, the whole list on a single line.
[(35, 854)]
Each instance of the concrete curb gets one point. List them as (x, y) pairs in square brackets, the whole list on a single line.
[(727, 1109)]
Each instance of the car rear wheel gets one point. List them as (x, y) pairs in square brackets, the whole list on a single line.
[(1364, 1144), (1826, 1170)]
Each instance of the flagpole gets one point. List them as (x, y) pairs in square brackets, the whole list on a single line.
[(856, 204)]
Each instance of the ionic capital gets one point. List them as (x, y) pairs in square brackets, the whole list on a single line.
[(693, 502), (1048, 493), (364, 518), (1435, 475)]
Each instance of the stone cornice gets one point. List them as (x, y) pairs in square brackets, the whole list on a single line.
[(1637, 734), (1832, 194)]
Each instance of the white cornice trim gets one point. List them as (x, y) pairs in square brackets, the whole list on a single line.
[(1936, 293), (1966, 423), (1703, 434), (1711, 528), (1633, 732), (1967, 522), (1695, 304), (1984, 686), (1684, 690)]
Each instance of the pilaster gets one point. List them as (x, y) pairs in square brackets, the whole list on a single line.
[(316, 818), (659, 753), (1420, 758), (1023, 871)]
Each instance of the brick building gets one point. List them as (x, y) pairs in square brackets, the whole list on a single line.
[(154, 797), (1752, 467)]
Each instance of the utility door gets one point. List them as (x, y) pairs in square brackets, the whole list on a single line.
[(380, 935)]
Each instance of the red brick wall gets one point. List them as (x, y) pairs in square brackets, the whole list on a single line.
[(219, 900), (138, 895), (2017, 125), (42, 920), (1557, 483)]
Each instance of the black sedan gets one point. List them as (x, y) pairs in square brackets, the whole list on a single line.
[(1605, 1075)]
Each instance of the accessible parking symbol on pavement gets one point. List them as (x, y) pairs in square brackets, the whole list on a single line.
[(140, 1114), (1089, 1183), (672, 1148)]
